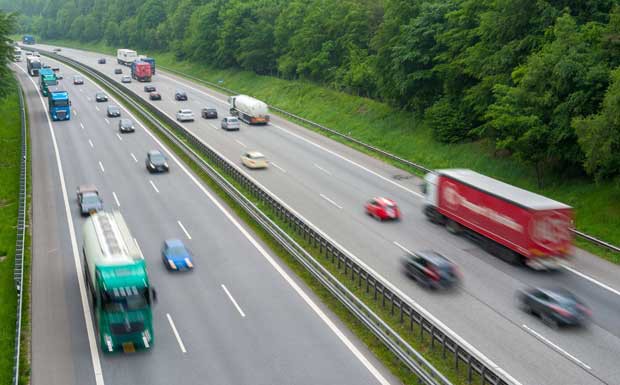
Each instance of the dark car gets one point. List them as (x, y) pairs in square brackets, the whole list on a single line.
[(431, 269), (209, 113), (88, 199), (126, 125), (101, 60), (118, 71), (180, 95), (77, 79), (176, 256), (155, 96), (156, 161), (57, 49), (113, 111), (101, 97), (150, 89), (555, 307)]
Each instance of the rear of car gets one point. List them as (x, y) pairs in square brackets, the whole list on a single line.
[(155, 96), (78, 79), (101, 60), (431, 269), (126, 79), (254, 160), (149, 89), (231, 123), (185, 115), (118, 71), (209, 113)]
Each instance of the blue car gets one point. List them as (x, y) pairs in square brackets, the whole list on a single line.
[(176, 256)]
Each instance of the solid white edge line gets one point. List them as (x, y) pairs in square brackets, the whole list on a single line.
[(330, 201), (278, 167), (134, 157), (184, 230), (343, 338), (233, 301), (322, 169), (116, 199), (90, 332), (304, 139), (176, 333), (154, 187), (582, 275), (241, 143), (101, 166), (556, 347), (138, 246)]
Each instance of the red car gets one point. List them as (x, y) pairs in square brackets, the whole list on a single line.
[(382, 208)]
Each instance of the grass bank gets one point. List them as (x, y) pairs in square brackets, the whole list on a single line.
[(10, 138), (597, 205)]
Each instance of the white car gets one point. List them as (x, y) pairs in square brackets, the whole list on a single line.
[(126, 79), (185, 115), (254, 159)]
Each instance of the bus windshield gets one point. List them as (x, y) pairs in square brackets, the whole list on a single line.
[(60, 103), (125, 299)]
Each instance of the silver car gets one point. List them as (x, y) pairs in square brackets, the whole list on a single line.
[(126, 79), (231, 123), (185, 115)]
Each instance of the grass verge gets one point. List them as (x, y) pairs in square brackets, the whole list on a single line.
[(10, 136), (596, 204)]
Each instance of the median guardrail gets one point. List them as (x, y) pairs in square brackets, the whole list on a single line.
[(383, 292), (367, 146), (18, 271)]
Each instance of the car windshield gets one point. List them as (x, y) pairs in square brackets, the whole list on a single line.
[(77, 78), (232, 120), (113, 109), (177, 251), (90, 199), (126, 123), (101, 96), (124, 299), (158, 158), (210, 110)]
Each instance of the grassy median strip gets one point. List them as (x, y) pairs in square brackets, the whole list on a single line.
[(10, 137)]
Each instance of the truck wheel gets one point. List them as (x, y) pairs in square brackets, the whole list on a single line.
[(510, 256), (453, 227)]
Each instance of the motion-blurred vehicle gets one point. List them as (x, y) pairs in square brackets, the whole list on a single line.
[(254, 159), (57, 49), (155, 96), (156, 162), (515, 224), (88, 199), (382, 209), (101, 60), (555, 307), (118, 71), (176, 256), (113, 111), (101, 97), (77, 79), (431, 269), (149, 89), (208, 113), (126, 125), (126, 79), (185, 115), (180, 95), (230, 123)]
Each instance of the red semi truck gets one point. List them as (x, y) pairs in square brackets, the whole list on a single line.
[(141, 71), (515, 224)]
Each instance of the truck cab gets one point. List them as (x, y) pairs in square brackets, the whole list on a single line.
[(141, 71), (47, 78), (28, 39), (59, 105)]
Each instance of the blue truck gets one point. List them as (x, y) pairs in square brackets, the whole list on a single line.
[(59, 105), (151, 61), (28, 39)]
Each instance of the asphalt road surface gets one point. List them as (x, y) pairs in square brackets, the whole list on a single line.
[(328, 183), (238, 318)]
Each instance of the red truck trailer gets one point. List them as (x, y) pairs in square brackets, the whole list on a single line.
[(141, 71), (515, 224)]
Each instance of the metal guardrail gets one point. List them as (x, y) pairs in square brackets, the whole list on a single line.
[(367, 146), (408, 313), (18, 273)]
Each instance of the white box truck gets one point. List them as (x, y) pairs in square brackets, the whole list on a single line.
[(126, 56)]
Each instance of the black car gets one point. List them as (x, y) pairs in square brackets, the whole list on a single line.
[(155, 96), (209, 113), (125, 125), (101, 97), (156, 162), (149, 89), (118, 71), (555, 307), (113, 111), (180, 95), (101, 60), (431, 269)]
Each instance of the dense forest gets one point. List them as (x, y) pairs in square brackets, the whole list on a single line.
[(539, 78), (7, 27)]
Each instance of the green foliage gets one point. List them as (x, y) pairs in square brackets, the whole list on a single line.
[(522, 75)]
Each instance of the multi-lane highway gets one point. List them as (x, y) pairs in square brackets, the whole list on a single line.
[(238, 318), (328, 183)]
